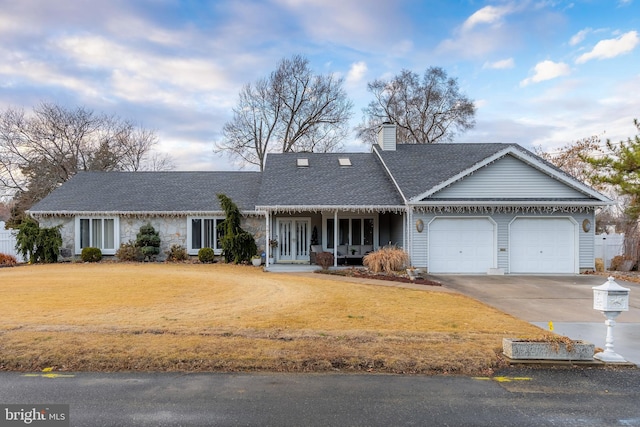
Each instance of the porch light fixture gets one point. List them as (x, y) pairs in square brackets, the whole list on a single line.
[(419, 225), (586, 225)]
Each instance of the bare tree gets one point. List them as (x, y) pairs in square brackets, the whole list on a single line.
[(425, 110), (291, 110), (571, 158), (40, 151)]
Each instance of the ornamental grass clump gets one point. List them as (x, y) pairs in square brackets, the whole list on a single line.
[(387, 259)]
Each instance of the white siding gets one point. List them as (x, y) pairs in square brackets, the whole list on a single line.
[(508, 178), (8, 242)]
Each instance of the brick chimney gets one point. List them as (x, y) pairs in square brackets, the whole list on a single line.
[(387, 136)]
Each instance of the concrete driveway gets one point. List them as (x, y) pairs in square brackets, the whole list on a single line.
[(567, 301)]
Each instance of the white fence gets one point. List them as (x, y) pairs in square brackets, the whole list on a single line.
[(8, 242), (607, 246)]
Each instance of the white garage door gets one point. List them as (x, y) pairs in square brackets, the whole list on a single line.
[(461, 245), (542, 245)]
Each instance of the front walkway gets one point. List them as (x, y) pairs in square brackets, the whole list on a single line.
[(291, 268)]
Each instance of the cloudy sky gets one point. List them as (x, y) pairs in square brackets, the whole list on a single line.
[(542, 72)]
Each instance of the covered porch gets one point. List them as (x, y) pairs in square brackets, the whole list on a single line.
[(295, 236)]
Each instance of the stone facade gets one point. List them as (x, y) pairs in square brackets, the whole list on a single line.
[(172, 230)]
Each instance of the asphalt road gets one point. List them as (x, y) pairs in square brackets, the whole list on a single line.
[(515, 397)]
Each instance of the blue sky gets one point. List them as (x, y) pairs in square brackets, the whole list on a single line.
[(542, 73)]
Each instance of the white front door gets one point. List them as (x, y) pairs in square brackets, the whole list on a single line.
[(293, 239), (461, 245), (542, 245)]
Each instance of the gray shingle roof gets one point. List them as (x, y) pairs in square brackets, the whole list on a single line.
[(325, 183), (152, 192), (418, 168)]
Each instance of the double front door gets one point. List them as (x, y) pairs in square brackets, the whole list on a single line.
[(294, 236)]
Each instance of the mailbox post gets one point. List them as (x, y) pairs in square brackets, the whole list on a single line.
[(611, 299)]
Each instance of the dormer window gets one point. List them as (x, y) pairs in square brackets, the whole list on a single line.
[(344, 162), (302, 162)]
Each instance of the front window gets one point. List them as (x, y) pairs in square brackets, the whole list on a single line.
[(99, 233), (351, 231), (205, 233)]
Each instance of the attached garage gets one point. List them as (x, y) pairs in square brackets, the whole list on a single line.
[(543, 245), (462, 245)]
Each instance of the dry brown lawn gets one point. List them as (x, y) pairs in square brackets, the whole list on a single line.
[(194, 317)]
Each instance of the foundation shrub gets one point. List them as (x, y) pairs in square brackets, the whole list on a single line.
[(387, 259), (7, 260), (129, 252), (148, 240), (177, 253), (38, 244), (206, 256), (91, 254), (324, 260)]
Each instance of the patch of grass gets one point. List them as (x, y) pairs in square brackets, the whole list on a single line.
[(204, 317)]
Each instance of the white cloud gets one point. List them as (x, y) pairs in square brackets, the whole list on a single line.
[(356, 73), (138, 75), (611, 48), (500, 65), (547, 70), (579, 36), (486, 15), (483, 32)]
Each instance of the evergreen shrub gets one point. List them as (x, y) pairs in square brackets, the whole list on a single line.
[(206, 255), (90, 254), (148, 240)]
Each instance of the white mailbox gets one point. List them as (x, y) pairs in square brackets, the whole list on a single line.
[(610, 297)]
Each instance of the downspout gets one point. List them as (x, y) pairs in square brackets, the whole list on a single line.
[(407, 233), (335, 238)]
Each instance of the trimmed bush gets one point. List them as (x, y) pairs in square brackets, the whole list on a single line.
[(177, 253), (7, 260), (324, 260), (148, 240), (91, 254), (387, 259), (129, 252), (206, 255)]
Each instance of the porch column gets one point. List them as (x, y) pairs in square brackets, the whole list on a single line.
[(335, 239), (267, 238), (408, 231)]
